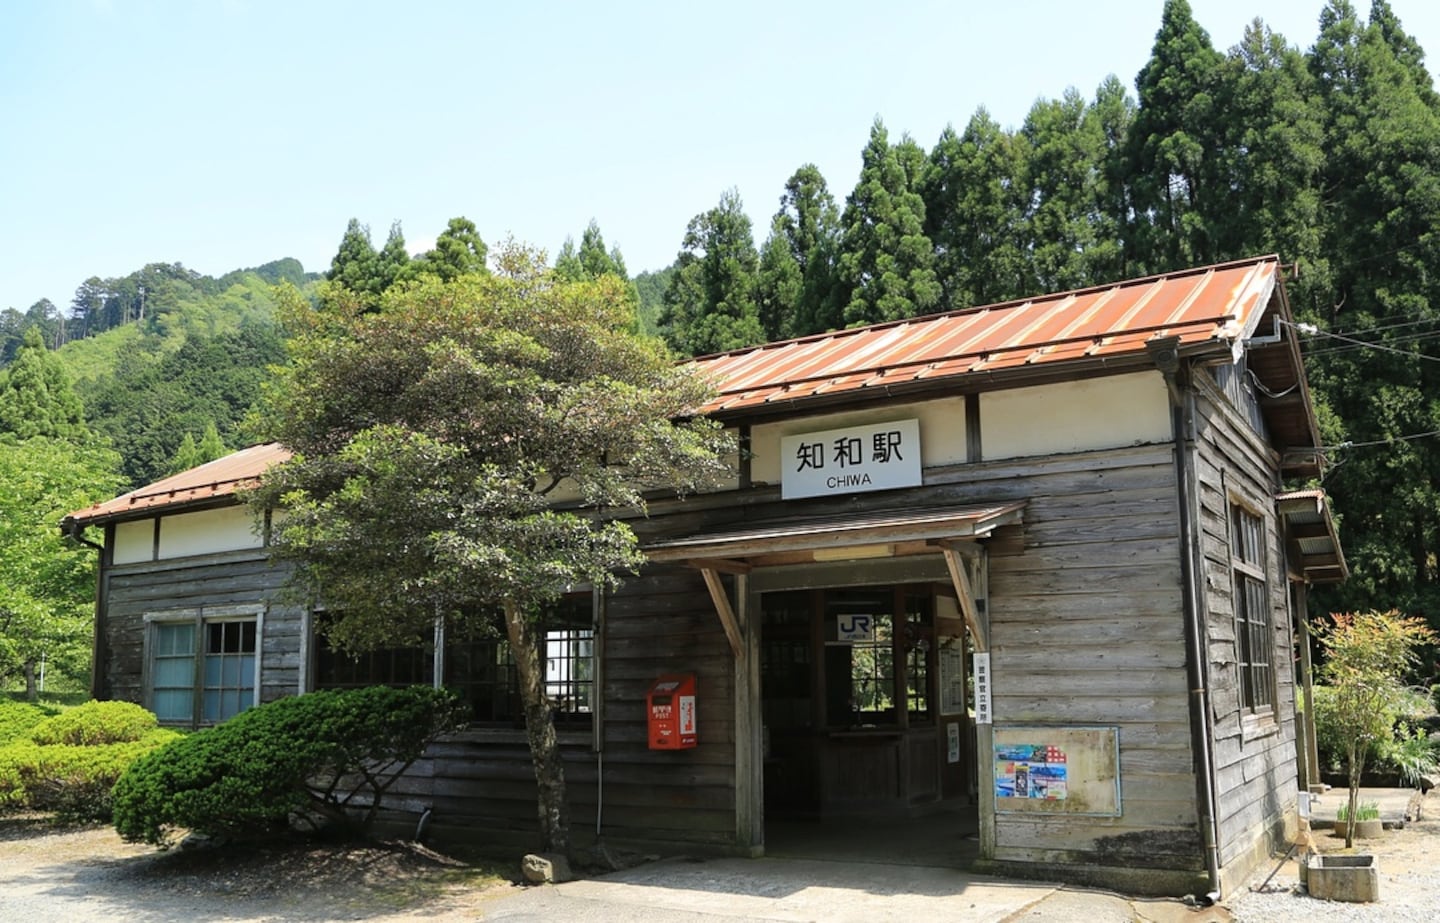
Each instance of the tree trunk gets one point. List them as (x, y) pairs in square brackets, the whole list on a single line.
[(32, 691), (525, 639), (1357, 769)]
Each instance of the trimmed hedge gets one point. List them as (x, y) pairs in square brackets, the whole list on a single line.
[(69, 763), (18, 718), (323, 759), (96, 723)]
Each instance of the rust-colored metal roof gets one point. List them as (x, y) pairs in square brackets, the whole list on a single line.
[(1211, 307), (214, 480)]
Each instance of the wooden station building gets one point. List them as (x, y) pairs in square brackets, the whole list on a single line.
[(1037, 567)]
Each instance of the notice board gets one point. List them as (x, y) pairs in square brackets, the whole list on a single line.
[(1057, 770)]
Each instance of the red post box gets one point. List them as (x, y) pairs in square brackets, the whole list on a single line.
[(670, 709)]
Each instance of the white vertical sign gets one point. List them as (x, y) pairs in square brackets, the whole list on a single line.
[(981, 660)]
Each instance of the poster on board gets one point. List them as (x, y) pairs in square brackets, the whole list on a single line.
[(1057, 770)]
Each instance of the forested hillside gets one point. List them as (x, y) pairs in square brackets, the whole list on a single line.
[(1328, 156)]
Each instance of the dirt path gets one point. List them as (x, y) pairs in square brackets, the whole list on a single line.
[(91, 875)]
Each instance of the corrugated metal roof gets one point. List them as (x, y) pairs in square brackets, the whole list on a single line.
[(1311, 529), (211, 481), (1210, 306)]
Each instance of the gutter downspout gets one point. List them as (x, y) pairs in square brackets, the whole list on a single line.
[(76, 533), (1182, 419)]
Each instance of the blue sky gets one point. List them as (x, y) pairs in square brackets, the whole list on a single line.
[(230, 133)]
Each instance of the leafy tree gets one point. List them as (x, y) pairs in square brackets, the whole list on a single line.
[(47, 582), (710, 303), (976, 193), (1366, 657), (1179, 194), (430, 437), (886, 261), (36, 398)]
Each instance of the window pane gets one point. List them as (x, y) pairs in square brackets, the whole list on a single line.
[(173, 704)]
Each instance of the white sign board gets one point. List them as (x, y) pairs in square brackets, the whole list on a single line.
[(981, 661), (880, 456), (854, 628)]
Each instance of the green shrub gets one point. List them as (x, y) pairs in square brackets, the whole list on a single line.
[(73, 782), (96, 723), (321, 758), (18, 718)]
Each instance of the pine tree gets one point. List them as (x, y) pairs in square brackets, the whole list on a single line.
[(459, 250), (781, 284), (809, 223), (1382, 176), (1064, 227), (976, 192), (35, 395), (391, 261), (353, 265), (710, 301), (886, 261), (1177, 182)]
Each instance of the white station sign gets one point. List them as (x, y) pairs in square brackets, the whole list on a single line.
[(880, 456)]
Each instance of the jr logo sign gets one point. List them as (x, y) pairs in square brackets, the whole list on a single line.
[(855, 627)]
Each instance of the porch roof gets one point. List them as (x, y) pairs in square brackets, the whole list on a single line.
[(1314, 541), (827, 533)]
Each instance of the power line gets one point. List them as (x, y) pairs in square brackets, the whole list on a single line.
[(1364, 343), (1393, 439)]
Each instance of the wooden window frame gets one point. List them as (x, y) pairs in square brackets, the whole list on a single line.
[(1254, 630), (201, 619)]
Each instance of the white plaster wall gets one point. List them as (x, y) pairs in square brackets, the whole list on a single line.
[(208, 532), (942, 433), (1098, 413), (134, 541)]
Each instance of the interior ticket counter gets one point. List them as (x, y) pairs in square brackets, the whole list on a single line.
[(863, 699)]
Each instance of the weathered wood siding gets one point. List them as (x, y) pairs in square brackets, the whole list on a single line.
[(1254, 758), (243, 578), (481, 783), (1087, 628)]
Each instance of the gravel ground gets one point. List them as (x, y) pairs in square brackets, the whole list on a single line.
[(1409, 861), (89, 876)]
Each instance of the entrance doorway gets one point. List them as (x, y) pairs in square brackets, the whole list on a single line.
[(865, 708)]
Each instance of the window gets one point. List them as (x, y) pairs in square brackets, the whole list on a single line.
[(481, 670), (1254, 640), (867, 646), (202, 667)]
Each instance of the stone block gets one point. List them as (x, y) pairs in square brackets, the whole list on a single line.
[(1355, 879), (545, 868)]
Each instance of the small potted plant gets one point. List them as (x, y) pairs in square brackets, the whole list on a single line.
[(1367, 820)]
